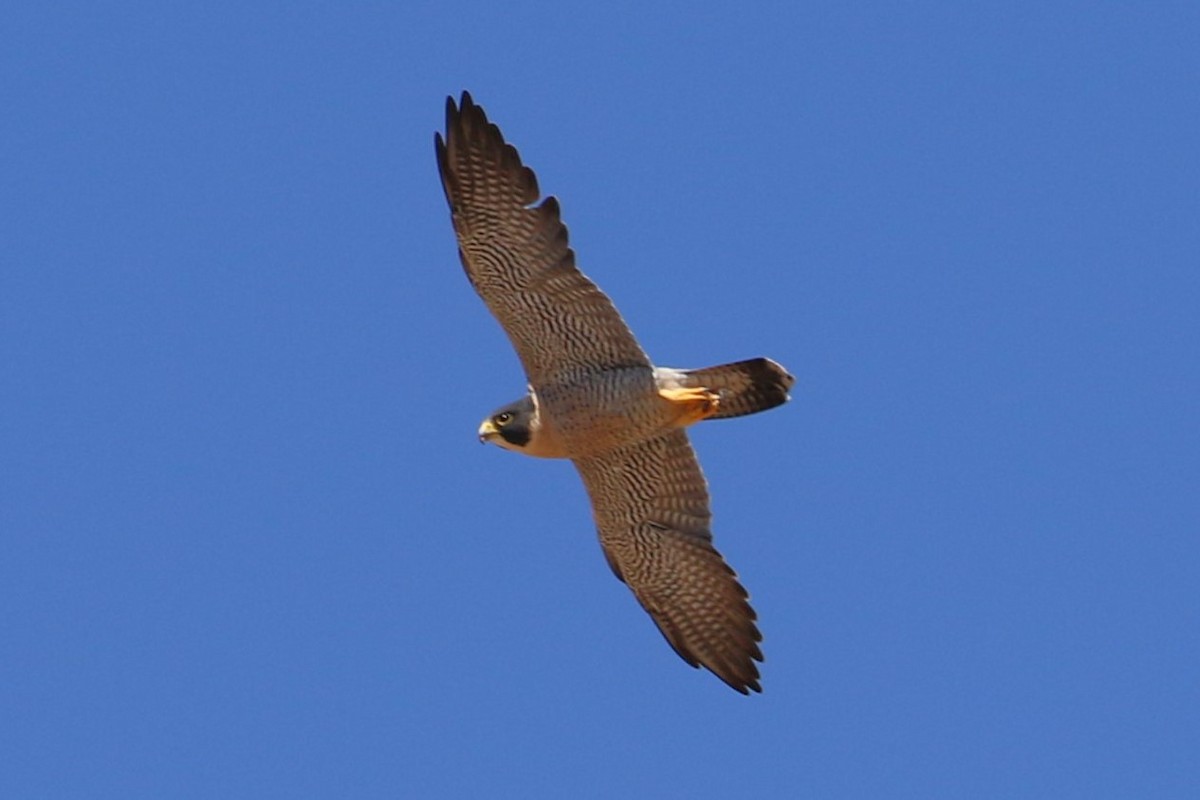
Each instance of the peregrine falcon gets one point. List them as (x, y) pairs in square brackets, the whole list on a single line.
[(595, 398)]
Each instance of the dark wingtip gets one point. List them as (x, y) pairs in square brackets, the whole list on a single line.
[(454, 112), (742, 684), (745, 683)]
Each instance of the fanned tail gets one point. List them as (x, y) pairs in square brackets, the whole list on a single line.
[(745, 387)]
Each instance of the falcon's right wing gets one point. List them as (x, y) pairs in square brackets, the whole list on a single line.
[(650, 502)]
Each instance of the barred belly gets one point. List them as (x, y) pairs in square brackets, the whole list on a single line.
[(599, 411)]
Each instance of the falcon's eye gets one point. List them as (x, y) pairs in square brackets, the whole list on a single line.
[(504, 418)]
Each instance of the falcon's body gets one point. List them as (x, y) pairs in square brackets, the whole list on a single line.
[(595, 398)]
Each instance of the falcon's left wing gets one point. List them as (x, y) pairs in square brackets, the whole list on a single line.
[(515, 252)]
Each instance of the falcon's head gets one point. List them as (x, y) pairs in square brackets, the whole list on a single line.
[(520, 427), (513, 426)]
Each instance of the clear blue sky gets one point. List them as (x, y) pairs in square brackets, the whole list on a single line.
[(252, 548)]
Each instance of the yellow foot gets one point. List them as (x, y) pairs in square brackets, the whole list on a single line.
[(691, 405)]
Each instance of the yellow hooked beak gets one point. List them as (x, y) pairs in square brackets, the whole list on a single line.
[(487, 431)]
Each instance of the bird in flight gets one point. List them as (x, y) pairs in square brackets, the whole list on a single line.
[(595, 398)]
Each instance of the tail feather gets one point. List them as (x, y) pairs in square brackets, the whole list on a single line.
[(745, 387)]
